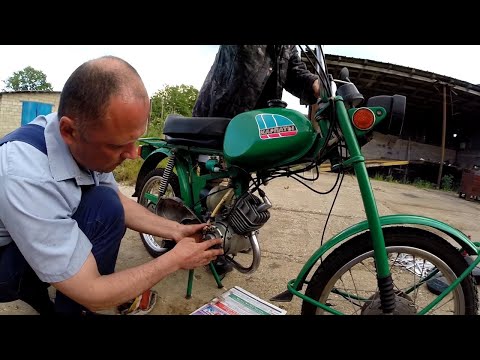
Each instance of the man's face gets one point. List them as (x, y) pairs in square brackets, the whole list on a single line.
[(107, 145)]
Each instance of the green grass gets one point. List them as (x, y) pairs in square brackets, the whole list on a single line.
[(447, 183), (127, 172)]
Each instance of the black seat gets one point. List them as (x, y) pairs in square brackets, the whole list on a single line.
[(207, 132)]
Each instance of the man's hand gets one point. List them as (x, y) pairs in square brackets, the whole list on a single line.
[(316, 88), (193, 230), (190, 254)]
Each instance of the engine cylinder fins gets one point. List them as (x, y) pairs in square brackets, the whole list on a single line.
[(245, 216)]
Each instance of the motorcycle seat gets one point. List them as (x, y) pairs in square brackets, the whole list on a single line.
[(195, 131)]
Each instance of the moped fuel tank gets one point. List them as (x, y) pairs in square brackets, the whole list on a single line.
[(267, 138)]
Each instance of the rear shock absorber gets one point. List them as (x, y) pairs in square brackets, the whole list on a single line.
[(166, 175)]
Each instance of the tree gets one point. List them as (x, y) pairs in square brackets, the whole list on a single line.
[(27, 79), (171, 100)]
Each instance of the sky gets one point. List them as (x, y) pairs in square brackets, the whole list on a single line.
[(161, 65)]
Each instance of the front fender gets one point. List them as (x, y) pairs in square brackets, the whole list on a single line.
[(148, 165), (350, 232)]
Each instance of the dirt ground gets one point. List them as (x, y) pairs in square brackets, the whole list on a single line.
[(291, 236)]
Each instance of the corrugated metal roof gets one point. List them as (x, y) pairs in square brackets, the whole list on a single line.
[(424, 93), (30, 92), (422, 88)]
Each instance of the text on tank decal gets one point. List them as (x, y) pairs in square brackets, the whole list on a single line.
[(272, 126)]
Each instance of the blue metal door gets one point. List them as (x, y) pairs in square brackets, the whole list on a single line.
[(31, 109)]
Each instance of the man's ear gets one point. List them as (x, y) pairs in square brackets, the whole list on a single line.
[(68, 130)]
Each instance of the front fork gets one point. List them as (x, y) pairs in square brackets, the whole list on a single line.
[(356, 159)]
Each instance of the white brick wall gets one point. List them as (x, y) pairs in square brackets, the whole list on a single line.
[(11, 107)]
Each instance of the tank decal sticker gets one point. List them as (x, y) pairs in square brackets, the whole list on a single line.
[(271, 126)]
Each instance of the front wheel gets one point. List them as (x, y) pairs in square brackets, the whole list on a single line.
[(148, 198), (346, 279)]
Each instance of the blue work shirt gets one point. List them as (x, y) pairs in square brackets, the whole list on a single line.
[(38, 197)]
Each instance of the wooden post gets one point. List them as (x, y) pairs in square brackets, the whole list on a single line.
[(444, 131), (405, 173)]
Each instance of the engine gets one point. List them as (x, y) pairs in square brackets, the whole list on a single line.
[(237, 218)]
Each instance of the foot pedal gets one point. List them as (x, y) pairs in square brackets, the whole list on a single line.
[(436, 285)]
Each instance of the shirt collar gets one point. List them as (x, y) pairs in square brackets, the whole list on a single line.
[(62, 164)]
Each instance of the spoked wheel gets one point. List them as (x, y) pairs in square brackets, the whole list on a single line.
[(346, 280), (149, 194)]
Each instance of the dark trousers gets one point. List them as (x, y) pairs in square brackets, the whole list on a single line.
[(101, 217)]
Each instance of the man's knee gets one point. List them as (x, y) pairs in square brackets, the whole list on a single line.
[(12, 268), (100, 202), (100, 213)]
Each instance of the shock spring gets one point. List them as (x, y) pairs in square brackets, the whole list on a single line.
[(166, 175)]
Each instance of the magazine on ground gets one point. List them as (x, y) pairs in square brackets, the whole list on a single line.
[(238, 301)]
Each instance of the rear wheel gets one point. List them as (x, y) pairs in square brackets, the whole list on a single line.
[(346, 280), (149, 194)]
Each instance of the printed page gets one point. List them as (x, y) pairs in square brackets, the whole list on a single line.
[(238, 301)]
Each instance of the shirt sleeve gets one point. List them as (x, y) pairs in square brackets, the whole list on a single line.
[(300, 80), (38, 216)]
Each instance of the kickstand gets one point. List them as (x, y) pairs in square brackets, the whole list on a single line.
[(215, 275)]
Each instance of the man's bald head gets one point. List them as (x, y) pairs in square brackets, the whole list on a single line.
[(89, 89)]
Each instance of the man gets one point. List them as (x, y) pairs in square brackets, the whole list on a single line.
[(246, 77), (62, 216)]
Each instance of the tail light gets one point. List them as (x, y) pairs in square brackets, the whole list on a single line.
[(139, 150), (363, 119)]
